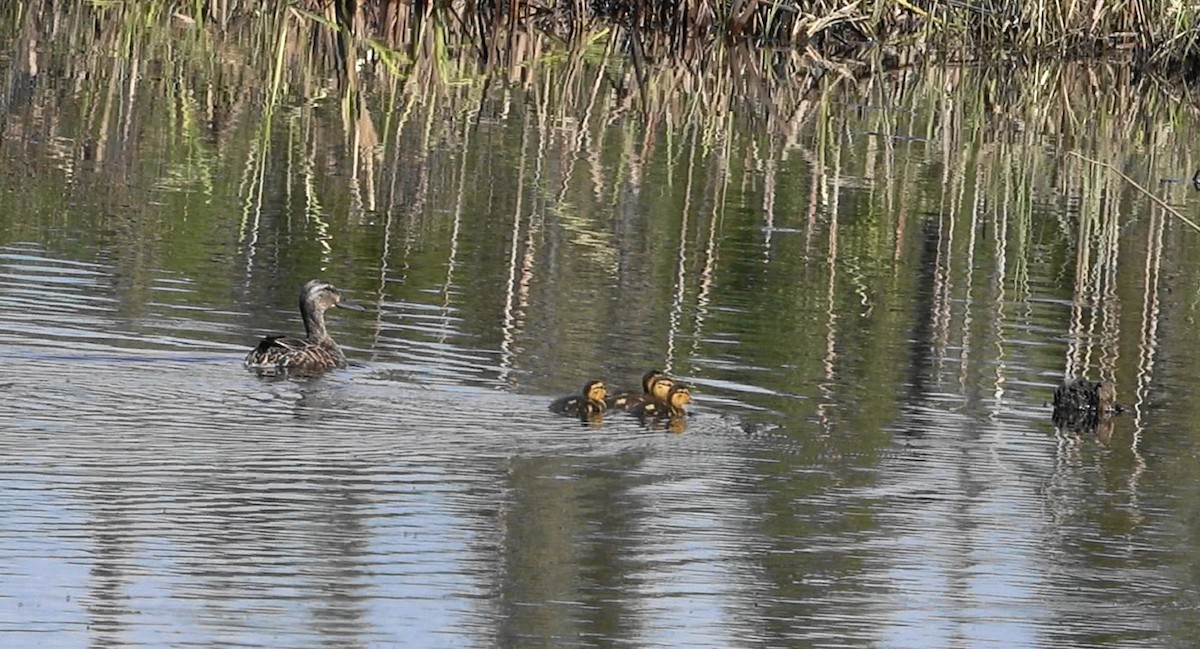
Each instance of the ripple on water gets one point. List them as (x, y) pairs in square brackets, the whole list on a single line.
[(165, 496)]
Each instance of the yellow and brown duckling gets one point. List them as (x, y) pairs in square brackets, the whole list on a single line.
[(655, 386), (677, 397), (317, 351), (588, 404)]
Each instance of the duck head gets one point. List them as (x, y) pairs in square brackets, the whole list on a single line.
[(318, 295), (679, 396), (660, 388), (595, 391), (649, 378)]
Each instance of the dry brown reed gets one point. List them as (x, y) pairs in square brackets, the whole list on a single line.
[(392, 115)]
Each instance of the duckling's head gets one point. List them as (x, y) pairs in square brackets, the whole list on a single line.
[(648, 379), (1106, 394), (595, 391), (679, 396), (318, 295), (661, 387)]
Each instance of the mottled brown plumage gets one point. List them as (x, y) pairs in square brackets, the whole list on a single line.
[(1083, 406), (317, 351), (1082, 394)]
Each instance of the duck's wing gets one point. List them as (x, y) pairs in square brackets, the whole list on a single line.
[(651, 409), (282, 342), (274, 350), (627, 400), (296, 356), (566, 405)]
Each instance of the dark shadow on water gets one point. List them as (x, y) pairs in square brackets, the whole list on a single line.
[(921, 343)]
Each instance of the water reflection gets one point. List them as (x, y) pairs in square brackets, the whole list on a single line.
[(872, 323)]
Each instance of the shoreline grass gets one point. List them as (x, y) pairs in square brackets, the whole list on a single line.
[(1153, 35)]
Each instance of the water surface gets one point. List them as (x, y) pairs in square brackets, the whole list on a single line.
[(873, 314)]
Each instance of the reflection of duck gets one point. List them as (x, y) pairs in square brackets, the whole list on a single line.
[(672, 406), (314, 353), (677, 425), (655, 386), (588, 404)]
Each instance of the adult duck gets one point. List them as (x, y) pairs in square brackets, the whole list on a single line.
[(316, 352), (1082, 406), (1085, 395)]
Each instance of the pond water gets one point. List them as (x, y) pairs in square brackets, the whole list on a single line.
[(873, 300)]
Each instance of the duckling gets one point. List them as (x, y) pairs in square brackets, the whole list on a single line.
[(655, 386), (587, 405), (317, 351), (677, 397)]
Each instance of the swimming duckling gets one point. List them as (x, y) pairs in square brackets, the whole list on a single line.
[(587, 405), (655, 386), (317, 351), (677, 397)]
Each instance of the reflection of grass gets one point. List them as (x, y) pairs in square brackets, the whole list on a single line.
[(836, 167), (812, 225)]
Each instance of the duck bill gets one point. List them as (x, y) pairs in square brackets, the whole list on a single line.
[(352, 306)]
